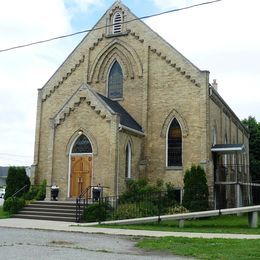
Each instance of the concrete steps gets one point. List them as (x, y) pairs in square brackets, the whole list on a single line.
[(49, 210)]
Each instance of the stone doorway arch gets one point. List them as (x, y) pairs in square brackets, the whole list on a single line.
[(81, 166)]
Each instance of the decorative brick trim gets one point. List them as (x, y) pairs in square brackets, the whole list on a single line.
[(47, 93), (130, 61), (96, 43), (175, 114), (174, 65), (136, 36), (84, 94)]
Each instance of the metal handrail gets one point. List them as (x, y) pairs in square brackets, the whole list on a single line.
[(83, 193), (19, 190), (81, 200)]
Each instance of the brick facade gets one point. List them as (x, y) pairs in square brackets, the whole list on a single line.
[(159, 84)]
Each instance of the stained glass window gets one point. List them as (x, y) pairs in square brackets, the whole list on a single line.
[(115, 81), (128, 161), (174, 144), (82, 145)]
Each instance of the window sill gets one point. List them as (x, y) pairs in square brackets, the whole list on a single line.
[(117, 99), (174, 168), (111, 35)]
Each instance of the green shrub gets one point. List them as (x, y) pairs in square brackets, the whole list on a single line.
[(125, 211), (16, 179), (97, 212), (135, 210), (169, 197), (176, 210), (37, 192), (143, 199), (13, 205), (199, 205), (31, 194), (135, 189), (148, 208), (41, 194), (195, 189)]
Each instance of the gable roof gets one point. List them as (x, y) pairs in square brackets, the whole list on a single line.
[(104, 106), (77, 57), (125, 118)]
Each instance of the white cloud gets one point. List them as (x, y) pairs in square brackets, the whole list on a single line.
[(221, 37), (76, 7), (30, 20), (167, 4), (25, 70)]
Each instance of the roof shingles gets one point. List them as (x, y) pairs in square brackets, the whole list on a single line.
[(125, 118)]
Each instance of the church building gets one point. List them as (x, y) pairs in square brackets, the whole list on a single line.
[(125, 104)]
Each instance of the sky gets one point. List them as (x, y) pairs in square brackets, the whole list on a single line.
[(222, 37)]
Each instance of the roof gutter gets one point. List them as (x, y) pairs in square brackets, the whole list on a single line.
[(130, 129), (229, 150)]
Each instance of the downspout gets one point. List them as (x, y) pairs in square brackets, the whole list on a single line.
[(34, 178), (117, 171)]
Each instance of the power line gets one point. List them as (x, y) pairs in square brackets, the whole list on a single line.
[(14, 155), (102, 27), (15, 160)]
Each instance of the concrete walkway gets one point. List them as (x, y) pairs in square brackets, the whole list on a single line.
[(70, 227)]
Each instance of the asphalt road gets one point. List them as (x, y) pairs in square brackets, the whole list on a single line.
[(38, 244)]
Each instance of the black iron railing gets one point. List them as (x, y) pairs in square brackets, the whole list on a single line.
[(125, 207), (232, 173), (20, 190), (90, 195), (233, 185)]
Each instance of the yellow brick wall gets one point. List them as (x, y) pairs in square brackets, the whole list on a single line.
[(104, 133), (158, 80)]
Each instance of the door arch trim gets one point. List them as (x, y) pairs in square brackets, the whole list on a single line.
[(69, 148)]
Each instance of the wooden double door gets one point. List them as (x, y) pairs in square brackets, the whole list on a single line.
[(80, 174)]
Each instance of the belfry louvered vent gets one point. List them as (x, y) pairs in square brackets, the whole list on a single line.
[(117, 23)]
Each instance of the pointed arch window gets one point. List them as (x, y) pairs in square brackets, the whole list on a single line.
[(174, 141), (115, 81), (128, 161), (214, 136), (82, 145), (117, 23), (225, 155)]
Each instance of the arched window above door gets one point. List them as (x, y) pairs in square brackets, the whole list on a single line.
[(115, 81), (174, 142), (82, 145)]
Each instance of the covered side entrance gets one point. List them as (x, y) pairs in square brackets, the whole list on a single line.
[(231, 176), (80, 166)]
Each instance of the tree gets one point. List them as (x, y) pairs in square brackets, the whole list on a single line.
[(195, 189), (16, 179), (254, 147)]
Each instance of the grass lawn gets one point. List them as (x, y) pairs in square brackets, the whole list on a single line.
[(223, 224), (3, 214), (201, 248)]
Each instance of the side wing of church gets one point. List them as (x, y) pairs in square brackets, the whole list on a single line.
[(126, 104)]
